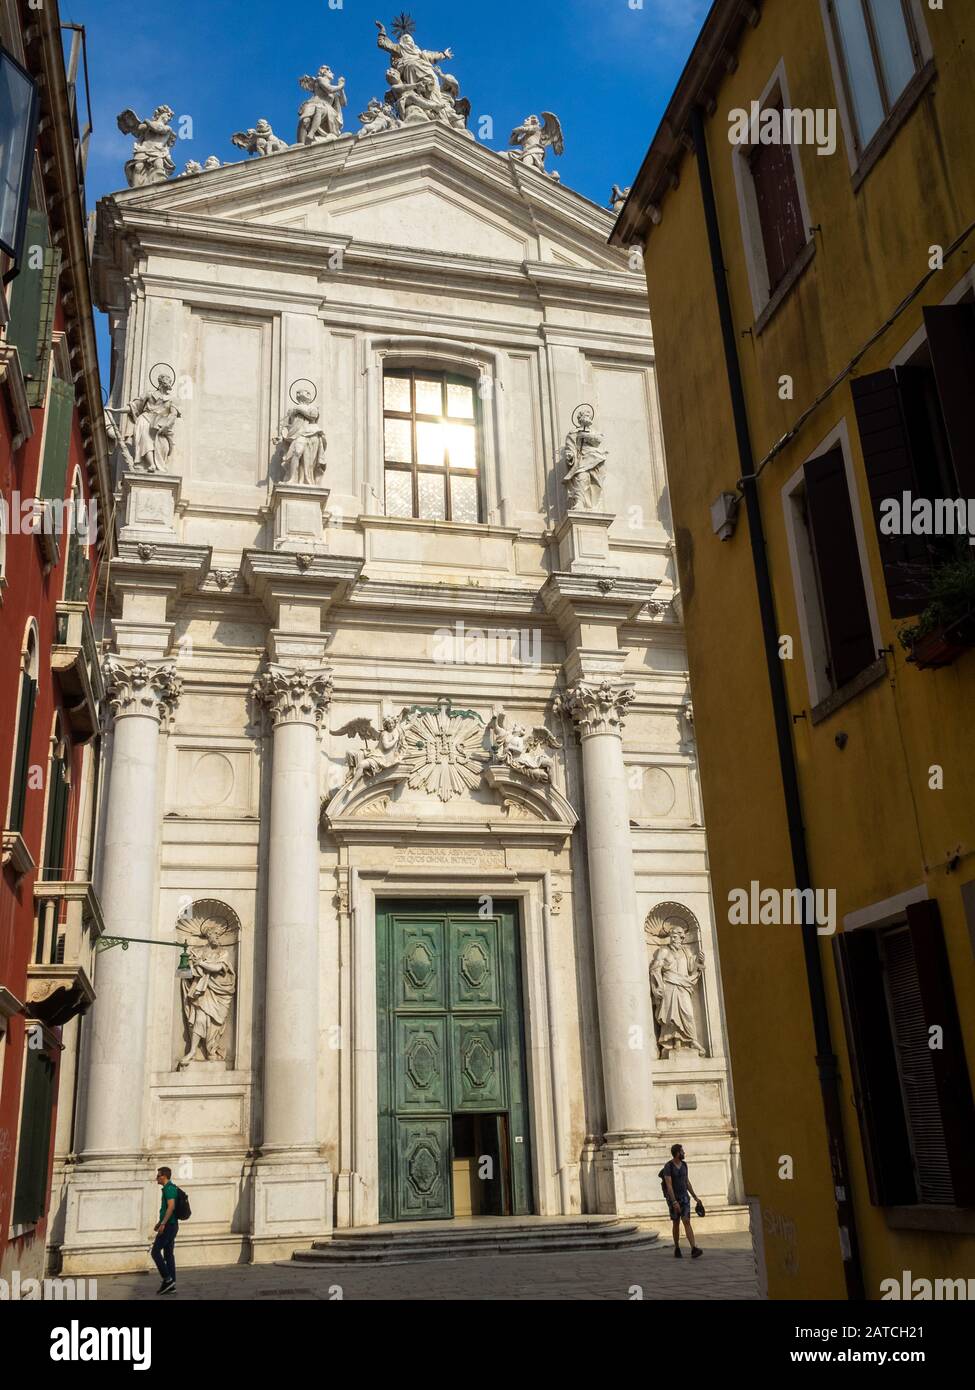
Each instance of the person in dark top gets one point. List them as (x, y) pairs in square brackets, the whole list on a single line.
[(678, 1190), (165, 1232)]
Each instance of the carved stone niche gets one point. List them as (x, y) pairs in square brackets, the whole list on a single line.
[(676, 968), (205, 1023)]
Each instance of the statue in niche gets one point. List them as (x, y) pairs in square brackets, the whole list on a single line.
[(675, 970), (376, 118), (418, 89), (533, 138), (261, 140), (151, 161), (522, 750), (586, 461), (304, 458), (154, 417), (385, 756), (320, 117), (207, 997)]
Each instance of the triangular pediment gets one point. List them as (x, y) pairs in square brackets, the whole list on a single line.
[(421, 188)]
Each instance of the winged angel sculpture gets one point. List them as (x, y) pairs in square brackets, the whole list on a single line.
[(533, 138), (151, 161), (260, 140), (522, 749)]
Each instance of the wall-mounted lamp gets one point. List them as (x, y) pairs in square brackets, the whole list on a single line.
[(724, 515), (184, 969)]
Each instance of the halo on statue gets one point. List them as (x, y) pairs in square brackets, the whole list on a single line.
[(660, 919), (156, 368), (208, 912), (577, 412), (302, 381)]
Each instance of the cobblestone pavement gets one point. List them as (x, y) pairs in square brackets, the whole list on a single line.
[(725, 1271)]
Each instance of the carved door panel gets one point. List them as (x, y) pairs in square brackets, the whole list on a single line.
[(423, 1169), (478, 1064)]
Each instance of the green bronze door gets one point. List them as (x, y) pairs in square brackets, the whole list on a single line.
[(450, 1045)]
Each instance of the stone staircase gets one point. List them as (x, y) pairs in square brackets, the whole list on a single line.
[(404, 1243)]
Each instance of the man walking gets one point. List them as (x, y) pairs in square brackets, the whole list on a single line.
[(678, 1191), (166, 1232)]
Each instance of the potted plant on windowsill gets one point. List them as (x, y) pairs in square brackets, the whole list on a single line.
[(946, 627)]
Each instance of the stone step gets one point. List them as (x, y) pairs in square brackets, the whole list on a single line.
[(408, 1246)]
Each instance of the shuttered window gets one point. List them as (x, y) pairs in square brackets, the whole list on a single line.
[(779, 209), (58, 798), (30, 1195), (25, 726), (951, 337), (914, 1100), (27, 299), (843, 600), (880, 55), (57, 440)]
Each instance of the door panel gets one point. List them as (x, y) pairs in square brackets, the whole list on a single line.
[(475, 970), (421, 1065), (418, 952), (423, 1169), (478, 1064)]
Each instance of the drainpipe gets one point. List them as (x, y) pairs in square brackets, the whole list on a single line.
[(826, 1064)]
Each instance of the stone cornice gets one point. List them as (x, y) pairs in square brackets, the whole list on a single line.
[(134, 687), (294, 694), (600, 598)]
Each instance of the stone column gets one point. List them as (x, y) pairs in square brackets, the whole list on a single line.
[(293, 1193), (622, 985), (141, 697)]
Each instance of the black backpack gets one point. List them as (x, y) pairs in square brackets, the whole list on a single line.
[(182, 1209)]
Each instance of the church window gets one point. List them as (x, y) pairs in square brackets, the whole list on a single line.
[(430, 445)]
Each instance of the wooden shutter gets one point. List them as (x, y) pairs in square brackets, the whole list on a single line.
[(27, 296), (951, 1079), (57, 440), (844, 602), (779, 209), (25, 726), (30, 1196), (57, 820), (889, 464), (45, 322), (951, 338), (880, 1109)]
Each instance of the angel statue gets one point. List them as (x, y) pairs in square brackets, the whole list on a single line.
[(418, 89), (212, 162), (586, 460), (386, 754), (154, 416), (521, 749), (618, 197), (376, 118), (304, 458), (261, 140), (320, 117), (207, 997), (151, 161), (674, 972), (533, 137), (192, 166)]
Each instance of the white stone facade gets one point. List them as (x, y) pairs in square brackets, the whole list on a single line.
[(253, 618)]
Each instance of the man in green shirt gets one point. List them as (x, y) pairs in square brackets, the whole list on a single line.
[(166, 1232)]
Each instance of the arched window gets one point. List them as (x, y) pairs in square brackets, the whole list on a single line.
[(58, 796), (25, 725), (430, 445)]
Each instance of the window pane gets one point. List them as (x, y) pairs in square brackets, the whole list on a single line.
[(460, 400), (17, 104), (396, 393), (864, 87), (429, 444), (399, 493), (429, 397), (463, 499), (398, 439), (460, 443), (894, 43), (431, 496)]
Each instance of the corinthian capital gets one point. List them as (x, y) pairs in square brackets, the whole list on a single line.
[(596, 709), (292, 694), (136, 687)]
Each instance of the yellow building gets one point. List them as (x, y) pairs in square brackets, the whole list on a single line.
[(807, 210)]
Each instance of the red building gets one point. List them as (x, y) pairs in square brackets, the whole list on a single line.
[(54, 515)]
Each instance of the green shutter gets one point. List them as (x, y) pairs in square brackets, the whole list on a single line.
[(30, 1196), (18, 795), (49, 299), (27, 296), (60, 410), (57, 821)]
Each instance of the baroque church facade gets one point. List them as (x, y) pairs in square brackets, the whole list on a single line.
[(399, 750)]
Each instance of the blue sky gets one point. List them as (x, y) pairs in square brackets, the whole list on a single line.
[(605, 67)]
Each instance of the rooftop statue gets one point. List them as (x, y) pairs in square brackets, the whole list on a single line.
[(151, 161), (376, 118), (533, 137), (261, 140), (618, 197), (320, 117), (418, 89)]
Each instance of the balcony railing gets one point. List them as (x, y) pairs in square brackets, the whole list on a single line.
[(75, 664), (67, 923)]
